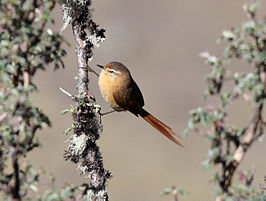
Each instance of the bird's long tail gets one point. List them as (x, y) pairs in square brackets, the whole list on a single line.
[(160, 126)]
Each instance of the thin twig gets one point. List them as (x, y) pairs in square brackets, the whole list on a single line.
[(3, 116), (93, 71), (65, 92), (26, 76), (16, 189)]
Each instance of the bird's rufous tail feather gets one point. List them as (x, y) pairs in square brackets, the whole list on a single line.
[(160, 126)]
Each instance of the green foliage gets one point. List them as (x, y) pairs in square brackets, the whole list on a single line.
[(65, 193), (228, 143), (81, 103), (26, 46)]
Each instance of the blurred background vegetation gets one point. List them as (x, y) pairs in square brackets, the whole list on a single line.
[(160, 43)]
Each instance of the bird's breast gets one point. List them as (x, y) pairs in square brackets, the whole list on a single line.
[(108, 87)]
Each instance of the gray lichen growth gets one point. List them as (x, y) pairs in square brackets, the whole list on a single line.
[(83, 169), (77, 144), (95, 40), (99, 196), (67, 19), (69, 9)]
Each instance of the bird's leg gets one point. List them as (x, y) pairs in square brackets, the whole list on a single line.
[(102, 114)]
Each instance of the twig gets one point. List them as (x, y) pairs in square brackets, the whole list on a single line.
[(3, 116), (26, 76), (93, 71), (16, 188), (251, 134), (65, 92)]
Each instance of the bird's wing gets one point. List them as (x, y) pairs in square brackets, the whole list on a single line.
[(129, 97)]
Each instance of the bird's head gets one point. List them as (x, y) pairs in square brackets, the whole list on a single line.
[(114, 70)]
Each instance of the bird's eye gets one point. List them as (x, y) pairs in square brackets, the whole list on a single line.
[(111, 71)]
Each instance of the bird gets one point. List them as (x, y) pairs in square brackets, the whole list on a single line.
[(121, 92)]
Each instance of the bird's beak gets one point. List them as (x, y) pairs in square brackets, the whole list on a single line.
[(100, 66)]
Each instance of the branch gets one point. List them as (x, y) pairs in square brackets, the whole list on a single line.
[(16, 188), (255, 129), (87, 126), (65, 92), (83, 79)]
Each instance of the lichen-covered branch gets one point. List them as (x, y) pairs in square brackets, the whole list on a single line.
[(83, 79), (87, 127)]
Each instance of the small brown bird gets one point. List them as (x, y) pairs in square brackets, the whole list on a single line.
[(122, 93)]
